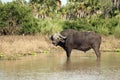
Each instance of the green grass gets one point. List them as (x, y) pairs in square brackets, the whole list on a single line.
[(2, 56), (117, 50), (49, 26)]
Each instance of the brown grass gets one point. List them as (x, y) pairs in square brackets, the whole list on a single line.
[(110, 43), (13, 45), (22, 44)]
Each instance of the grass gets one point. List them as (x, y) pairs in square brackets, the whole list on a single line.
[(13, 47), (49, 26), (21, 46), (117, 50), (110, 44)]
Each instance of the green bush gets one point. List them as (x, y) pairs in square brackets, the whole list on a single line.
[(29, 26), (49, 26), (79, 24), (16, 18)]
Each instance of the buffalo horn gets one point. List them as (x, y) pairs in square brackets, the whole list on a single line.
[(61, 36)]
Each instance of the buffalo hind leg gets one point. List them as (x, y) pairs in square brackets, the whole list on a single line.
[(97, 52)]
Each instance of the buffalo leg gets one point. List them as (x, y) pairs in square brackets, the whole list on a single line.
[(97, 52), (68, 52)]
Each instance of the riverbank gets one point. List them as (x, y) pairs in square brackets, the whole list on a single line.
[(12, 47)]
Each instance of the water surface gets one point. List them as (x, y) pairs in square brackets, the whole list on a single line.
[(56, 67)]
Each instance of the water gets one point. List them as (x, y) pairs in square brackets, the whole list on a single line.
[(56, 67)]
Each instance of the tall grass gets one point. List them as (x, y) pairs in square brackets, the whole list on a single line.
[(49, 26), (106, 27), (21, 45)]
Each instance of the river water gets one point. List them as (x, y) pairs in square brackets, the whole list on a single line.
[(56, 67)]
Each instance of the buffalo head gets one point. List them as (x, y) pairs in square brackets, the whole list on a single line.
[(57, 38)]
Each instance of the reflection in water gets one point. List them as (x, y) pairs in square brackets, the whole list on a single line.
[(56, 67)]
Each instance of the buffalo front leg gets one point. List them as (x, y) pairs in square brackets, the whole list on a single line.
[(68, 52)]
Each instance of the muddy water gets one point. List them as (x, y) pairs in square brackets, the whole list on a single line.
[(55, 67)]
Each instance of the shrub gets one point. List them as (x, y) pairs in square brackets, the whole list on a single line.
[(79, 24), (16, 19), (49, 26)]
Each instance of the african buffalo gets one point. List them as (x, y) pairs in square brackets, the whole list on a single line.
[(71, 39)]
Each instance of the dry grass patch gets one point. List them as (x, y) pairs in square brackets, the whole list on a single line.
[(13, 45), (110, 44)]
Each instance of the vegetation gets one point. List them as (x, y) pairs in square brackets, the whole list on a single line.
[(13, 47), (48, 16)]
